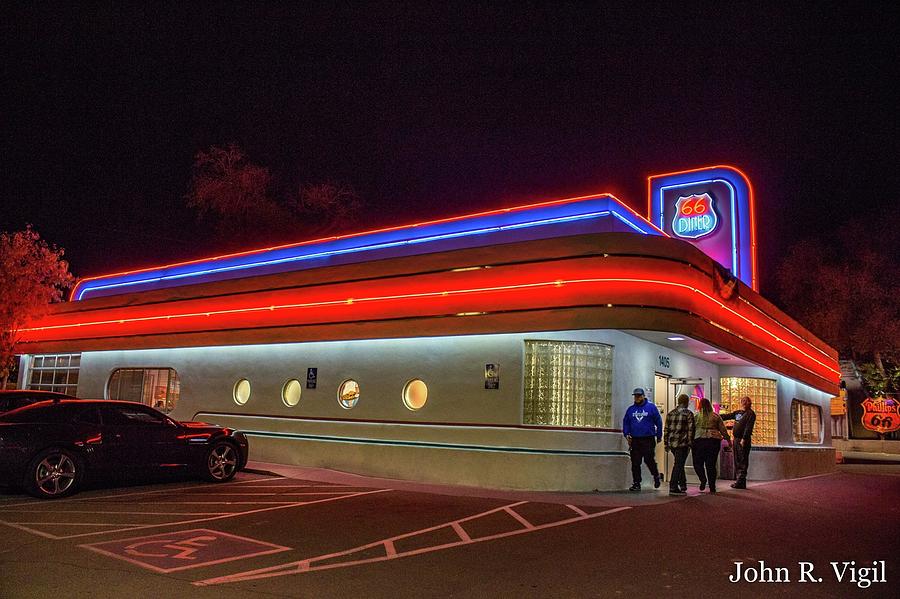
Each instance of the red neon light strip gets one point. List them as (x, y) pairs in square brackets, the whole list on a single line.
[(370, 232), (260, 309)]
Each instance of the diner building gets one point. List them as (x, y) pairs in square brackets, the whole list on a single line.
[(496, 349)]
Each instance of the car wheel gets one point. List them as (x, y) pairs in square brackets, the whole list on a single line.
[(221, 462), (54, 473)]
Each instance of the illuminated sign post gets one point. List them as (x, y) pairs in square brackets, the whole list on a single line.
[(881, 415), (711, 208)]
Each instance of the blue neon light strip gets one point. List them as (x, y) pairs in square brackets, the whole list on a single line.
[(541, 222)]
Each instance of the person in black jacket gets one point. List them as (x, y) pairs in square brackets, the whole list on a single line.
[(744, 420)]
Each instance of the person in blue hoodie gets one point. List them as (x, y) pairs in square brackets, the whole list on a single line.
[(643, 429)]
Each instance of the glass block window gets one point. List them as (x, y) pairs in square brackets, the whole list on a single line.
[(763, 394), (806, 422), (156, 387), (568, 383), (58, 372)]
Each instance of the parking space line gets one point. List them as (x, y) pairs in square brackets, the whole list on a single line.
[(155, 491), (390, 552), (273, 494), (124, 513), (226, 503), (224, 516), (518, 517), (67, 524)]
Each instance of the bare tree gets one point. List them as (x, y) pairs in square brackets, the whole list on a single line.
[(846, 292), (234, 195), (33, 275), (328, 208), (240, 201)]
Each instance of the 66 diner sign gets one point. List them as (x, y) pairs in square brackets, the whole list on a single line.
[(695, 216), (881, 414)]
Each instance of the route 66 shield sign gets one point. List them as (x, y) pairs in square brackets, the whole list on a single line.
[(695, 216), (881, 415)]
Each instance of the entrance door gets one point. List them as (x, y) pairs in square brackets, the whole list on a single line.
[(696, 390), (662, 399)]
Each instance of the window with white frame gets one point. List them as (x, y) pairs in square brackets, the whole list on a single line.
[(57, 372), (568, 383), (156, 387), (806, 422)]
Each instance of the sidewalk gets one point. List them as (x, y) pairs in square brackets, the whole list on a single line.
[(648, 496), (869, 457)]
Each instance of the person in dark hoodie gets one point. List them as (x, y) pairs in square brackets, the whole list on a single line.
[(744, 420), (642, 427)]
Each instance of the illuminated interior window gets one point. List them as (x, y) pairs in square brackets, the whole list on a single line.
[(415, 394), (763, 394), (806, 422), (348, 394), (290, 393), (155, 387), (241, 392), (57, 372), (568, 383)]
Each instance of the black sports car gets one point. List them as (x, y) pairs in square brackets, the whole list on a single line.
[(52, 446), (16, 398)]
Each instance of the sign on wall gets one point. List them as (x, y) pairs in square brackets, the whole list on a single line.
[(881, 414), (312, 377), (711, 208), (491, 376)]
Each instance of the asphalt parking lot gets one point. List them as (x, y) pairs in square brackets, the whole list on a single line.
[(329, 535)]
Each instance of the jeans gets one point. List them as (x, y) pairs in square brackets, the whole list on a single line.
[(741, 461), (643, 448), (706, 458), (679, 480)]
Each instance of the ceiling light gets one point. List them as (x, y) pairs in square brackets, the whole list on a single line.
[(710, 351), (675, 338)]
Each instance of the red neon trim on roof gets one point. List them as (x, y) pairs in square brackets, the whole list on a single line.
[(323, 304)]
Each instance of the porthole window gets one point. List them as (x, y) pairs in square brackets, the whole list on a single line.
[(290, 393), (348, 394), (242, 392), (415, 394)]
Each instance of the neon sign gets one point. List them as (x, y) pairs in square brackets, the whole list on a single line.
[(695, 216), (881, 415), (711, 208)]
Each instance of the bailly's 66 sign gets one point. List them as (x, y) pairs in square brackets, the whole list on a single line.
[(695, 216), (881, 415)]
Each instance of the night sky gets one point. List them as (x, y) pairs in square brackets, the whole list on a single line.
[(432, 112)]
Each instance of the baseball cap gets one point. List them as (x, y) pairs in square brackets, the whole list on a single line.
[(638, 391)]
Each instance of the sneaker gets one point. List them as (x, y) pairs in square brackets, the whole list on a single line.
[(684, 489), (677, 492), (712, 490), (656, 481), (635, 487), (702, 485), (739, 485)]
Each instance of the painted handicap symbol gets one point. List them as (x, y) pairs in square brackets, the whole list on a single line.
[(184, 549)]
